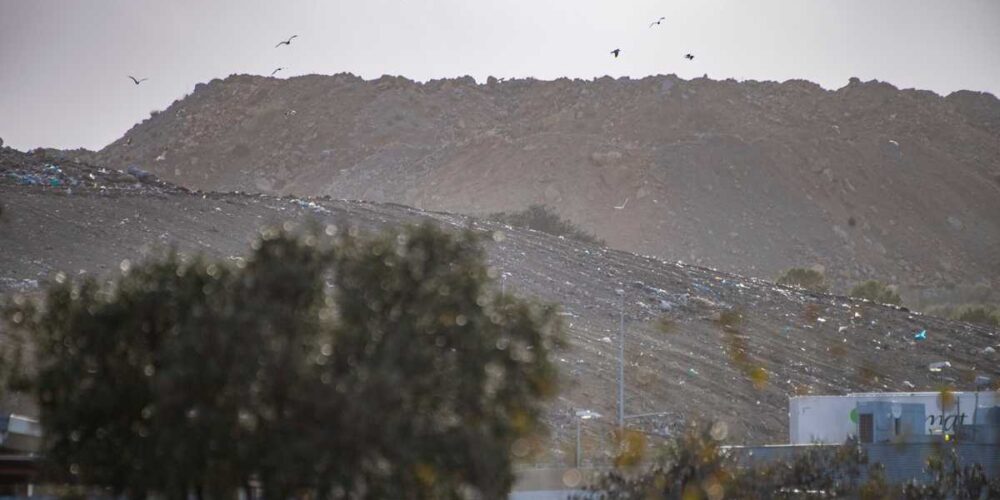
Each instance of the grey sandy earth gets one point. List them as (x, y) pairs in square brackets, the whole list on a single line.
[(868, 181), (93, 217)]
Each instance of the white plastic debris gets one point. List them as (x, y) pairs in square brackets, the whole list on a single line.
[(938, 366)]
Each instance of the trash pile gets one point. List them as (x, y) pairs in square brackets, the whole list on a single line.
[(51, 175), (45, 170)]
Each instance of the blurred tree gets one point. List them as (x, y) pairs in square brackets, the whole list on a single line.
[(695, 465), (365, 366)]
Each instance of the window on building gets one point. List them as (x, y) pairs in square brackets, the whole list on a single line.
[(866, 428)]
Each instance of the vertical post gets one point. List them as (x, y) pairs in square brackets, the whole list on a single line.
[(621, 360), (975, 410), (578, 419)]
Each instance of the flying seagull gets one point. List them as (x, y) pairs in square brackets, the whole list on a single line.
[(137, 82), (616, 52), (286, 42), (689, 57), (276, 70), (657, 22)]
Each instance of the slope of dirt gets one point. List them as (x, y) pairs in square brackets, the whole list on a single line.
[(867, 181), (791, 342)]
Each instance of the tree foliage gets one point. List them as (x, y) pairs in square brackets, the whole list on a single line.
[(695, 465), (381, 366), (809, 279), (876, 291)]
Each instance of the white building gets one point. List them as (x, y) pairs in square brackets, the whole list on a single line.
[(888, 416)]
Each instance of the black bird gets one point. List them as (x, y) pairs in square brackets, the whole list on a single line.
[(689, 57), (137, 82), (657, 22), (276, 70), (616, 52), (286, 42)]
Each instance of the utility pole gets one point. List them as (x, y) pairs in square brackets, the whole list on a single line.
[(582, 415), (578, 461), (621, 358)]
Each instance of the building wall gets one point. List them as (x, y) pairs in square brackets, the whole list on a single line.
[(829, 419)]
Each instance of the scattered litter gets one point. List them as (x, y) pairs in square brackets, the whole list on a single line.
[(842, 329), (692, 372), (908, 384), (606, 340), (312, 205), (938, 366), (989, 350), (920, 336), (140, 174), (821, 320)]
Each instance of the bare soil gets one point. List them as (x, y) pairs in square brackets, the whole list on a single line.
[(792, 342)]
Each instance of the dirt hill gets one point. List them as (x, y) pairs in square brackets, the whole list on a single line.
[(867, 181), (699, 342)]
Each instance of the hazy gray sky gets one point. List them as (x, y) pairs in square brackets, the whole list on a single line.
[(63, 63)]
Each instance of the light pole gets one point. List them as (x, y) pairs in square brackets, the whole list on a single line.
[(621, 358), (582, 415)]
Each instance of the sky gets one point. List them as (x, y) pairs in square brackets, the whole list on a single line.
[(64, 64)]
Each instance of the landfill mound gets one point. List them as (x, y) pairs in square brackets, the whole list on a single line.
[(866, 182), (699, 343)]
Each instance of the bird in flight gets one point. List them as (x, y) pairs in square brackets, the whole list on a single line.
[(286, 42), (657, 22), (137, 82), (689, 57), (276, 70), (616, 52)]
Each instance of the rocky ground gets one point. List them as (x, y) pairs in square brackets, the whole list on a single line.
[(867, 181), (699, 342)]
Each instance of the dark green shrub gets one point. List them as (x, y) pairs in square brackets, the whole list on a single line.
[(378, 367), (876, 291), (691, 466), (542, 218), (694, 465), (981, 314), (809, 279)]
